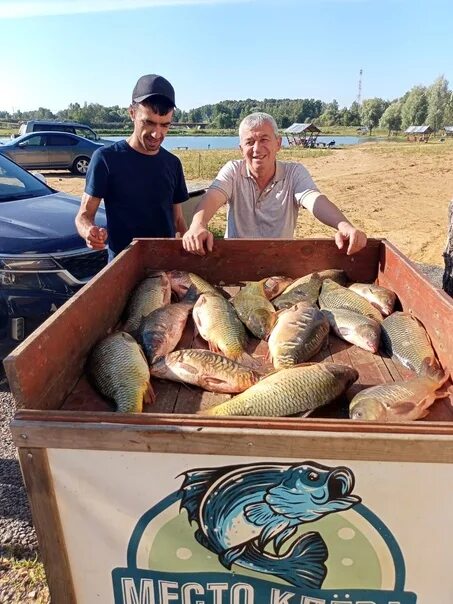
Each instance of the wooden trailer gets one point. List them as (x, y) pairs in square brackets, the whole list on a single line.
[(170, 506)]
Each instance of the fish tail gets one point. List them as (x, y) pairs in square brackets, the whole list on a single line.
[(194, 487), (302, 565), (431, 369)]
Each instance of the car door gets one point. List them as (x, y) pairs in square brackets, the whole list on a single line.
[(31, 152), (60, 149)]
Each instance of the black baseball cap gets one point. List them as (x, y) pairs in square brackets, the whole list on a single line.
[(153, 85)]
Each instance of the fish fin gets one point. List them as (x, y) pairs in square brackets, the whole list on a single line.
[(344, 331), (431, 368), (302, 565), (335, 505), (203, 540), (214, 348), (271, 532), (281, 539), (212, 381), (189, 368), (258, 513), (227, 557), (195, 485), (149, 396), (403, 407)]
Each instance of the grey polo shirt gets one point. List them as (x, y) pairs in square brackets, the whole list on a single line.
[(273, 213)]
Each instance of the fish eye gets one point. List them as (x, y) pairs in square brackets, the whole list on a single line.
[(313, 476)]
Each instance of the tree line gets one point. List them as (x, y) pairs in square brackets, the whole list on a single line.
[(422, 105)]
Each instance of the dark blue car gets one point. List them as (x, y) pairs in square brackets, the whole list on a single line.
[(43, 260)]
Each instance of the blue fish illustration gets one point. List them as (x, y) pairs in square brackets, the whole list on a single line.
[(242, 509)]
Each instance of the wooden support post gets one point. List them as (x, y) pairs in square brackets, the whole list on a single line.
[(448, 255)]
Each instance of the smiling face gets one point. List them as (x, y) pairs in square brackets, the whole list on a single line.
[(259, 146), (150, 128)]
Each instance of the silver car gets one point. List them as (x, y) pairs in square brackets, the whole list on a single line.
[(51, 150)]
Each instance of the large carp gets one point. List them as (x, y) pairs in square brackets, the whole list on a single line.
[(254, 309), (151, 293), (399, 401), (333, 296), (299, 334), (404, 337), (290, 391), (206, 369), (120, 372)]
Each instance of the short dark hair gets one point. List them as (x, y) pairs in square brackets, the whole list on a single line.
[(159, 104)]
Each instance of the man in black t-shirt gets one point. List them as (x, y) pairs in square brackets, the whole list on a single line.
[(141, 183)]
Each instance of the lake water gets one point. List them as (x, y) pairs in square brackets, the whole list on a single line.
[(230, 142)]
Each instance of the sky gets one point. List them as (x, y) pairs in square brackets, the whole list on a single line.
[(56, 52)]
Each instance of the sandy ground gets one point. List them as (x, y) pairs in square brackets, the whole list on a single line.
[(397, 191)]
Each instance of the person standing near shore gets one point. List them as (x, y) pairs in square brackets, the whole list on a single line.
[(264, 196), (141, 183)]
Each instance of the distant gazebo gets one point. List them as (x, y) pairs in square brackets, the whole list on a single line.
[(302, 135), (418, 133)]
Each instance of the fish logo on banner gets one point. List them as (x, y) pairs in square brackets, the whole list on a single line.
[(265, 533)]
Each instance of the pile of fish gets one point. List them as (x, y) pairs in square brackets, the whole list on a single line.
[(294, 317)]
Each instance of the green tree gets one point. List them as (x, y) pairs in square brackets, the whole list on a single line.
[(438, 97), (371, 112), (415, 108), (391, 118)]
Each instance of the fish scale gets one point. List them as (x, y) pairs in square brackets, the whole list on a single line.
[(300, 290), (333, 295), (206, 369), (290, 391), (153, 292), (404, 337), (299, 334), (120, 372), (254, 309), (218, 324)]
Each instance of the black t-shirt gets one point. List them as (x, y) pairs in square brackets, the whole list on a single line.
[(138, 190)]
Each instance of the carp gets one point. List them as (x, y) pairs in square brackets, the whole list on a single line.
[(399, 401), (404, 337), (181, 281), (218, 324), (160, 332), (206, 369), (289, 391), (380, 297), (355, 328), (151, 293), (299, 334), (333, 296), (254, 309), (300, 291), (119, 371)]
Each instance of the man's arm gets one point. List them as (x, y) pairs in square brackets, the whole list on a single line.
[(328, 213), (198, 235), (95, 237), (178, 219)]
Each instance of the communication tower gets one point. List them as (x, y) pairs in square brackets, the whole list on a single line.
[(359, 93)]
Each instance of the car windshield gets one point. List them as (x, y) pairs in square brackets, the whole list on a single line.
[(89, 134), (17, 183)]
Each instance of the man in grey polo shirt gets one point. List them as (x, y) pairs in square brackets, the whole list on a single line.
[(264, 195)]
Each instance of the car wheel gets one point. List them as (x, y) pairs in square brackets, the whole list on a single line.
[(80, 165)]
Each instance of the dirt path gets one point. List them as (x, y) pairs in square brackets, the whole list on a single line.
[(397, 191)]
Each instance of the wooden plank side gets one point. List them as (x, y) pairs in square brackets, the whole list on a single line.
[(27, 421), (235, 260), (46, 366), (38, 481), (429, 304), (423, 448)]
